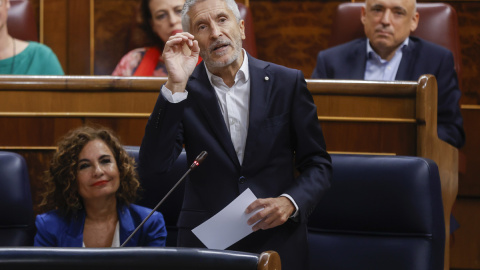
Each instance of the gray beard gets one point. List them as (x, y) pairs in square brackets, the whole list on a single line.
[(214, 64)]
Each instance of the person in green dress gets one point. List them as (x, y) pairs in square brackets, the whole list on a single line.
[(24, 57)]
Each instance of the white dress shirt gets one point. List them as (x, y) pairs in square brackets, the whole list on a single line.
[(234, 104), (233, 101), (378, 69)]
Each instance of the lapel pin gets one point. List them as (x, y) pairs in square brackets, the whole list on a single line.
[(266, 78)]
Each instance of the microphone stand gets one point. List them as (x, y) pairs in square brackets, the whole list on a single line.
[(195, 164)]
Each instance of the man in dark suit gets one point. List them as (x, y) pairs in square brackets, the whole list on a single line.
[(388, 53), (257, 121)]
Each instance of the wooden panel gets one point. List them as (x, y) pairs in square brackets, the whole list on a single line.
[(57, 101), (82, 95), (469, 181), (34, 131), (365, 107), (78, 37), (373, 138), (55, 29), (66, 30), (465, 251), (367, 117), (291, 33), (129, 130), (114, 21), (397, 100), (45, 131), (469, 30)]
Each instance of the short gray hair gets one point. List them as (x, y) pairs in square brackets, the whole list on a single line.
[(231, 4)]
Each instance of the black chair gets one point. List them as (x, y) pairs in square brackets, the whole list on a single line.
[(382, 212), (16, 209), (153, 190)]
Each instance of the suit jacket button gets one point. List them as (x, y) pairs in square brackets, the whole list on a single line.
[(242, 179)]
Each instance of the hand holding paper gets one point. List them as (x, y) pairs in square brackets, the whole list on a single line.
[(276, 211), (229, 225)]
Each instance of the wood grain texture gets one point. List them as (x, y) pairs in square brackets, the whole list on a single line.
[(469, 29), (55, 34), (292, 33), (114, 27), (78, 38), (469, 180), (465, 251)]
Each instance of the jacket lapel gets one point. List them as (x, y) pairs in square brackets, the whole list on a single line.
[(74, 235), (405, 69), (199, 86), (126, 226), (260, 88), (357, 61)]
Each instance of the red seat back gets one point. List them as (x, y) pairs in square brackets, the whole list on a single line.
[(21, 21)]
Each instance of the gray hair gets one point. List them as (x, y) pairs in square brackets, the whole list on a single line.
[(231, 4)]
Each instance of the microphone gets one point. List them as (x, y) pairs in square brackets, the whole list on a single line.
[(200, 158)]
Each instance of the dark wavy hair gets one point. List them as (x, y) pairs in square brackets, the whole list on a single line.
[(146, 25), (60, 181)]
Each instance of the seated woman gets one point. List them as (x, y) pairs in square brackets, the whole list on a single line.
[(160, 20), (90, 187), (22, 57)]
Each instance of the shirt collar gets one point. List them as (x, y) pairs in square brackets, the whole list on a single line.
[(242, 74), (372, 54)]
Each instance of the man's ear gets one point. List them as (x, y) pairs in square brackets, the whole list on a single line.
[(242, 28), (414, 23), (362, 13)]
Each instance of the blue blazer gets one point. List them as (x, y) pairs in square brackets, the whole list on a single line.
[(54, 230), (348, 61), (283, 135)]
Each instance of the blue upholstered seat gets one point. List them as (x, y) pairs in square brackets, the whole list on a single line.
[(153, 190), (16, 209), (382, 212)]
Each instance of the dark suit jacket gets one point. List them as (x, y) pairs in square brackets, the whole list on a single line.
[(55, 230), (347, 61), (283, 134)]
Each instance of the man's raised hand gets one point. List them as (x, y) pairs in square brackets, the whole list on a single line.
[(180, 56)]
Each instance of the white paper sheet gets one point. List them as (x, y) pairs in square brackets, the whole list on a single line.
[(229, 225)]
